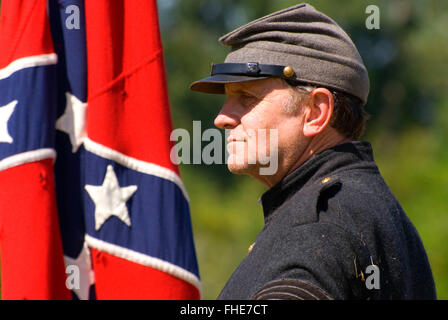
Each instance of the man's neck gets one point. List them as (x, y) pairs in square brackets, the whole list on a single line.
[(316, 145)]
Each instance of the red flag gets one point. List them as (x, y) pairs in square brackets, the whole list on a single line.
[(31, 250), (128, 113), (89, 164), (126, 70)]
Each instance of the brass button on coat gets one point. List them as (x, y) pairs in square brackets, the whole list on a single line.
[(325, 180), (250, 247)]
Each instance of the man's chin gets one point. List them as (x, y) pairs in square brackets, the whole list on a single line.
[(242, 168)]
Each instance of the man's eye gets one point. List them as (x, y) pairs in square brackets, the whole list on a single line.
[(248, 100)]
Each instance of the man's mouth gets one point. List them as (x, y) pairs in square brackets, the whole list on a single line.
[(231, 139)]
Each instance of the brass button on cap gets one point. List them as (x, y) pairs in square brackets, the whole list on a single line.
[(288, 71)]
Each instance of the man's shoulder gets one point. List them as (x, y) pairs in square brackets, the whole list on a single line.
[(356, 190), (357, 194), (357, 204)]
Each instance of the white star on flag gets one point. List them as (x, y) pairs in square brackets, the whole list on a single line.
[(5, 113), (110, 199), (82, 277), (73, 121)]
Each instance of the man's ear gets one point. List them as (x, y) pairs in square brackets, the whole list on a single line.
[(318, 114)]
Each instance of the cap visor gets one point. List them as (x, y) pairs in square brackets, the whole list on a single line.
[(215, 83)]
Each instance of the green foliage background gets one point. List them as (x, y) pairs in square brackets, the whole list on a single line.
[(407, 62)]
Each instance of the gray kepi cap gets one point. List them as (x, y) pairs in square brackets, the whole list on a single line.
[(299, 44)]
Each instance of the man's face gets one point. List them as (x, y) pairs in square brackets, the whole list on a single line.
[(257, 112)]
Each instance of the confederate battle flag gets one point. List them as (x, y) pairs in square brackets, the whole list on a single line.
[(90, 204)]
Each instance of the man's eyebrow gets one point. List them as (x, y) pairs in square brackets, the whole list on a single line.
[(242, 89), (249, 92), (239, 90)]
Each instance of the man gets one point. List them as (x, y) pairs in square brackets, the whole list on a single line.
[(333, 229)]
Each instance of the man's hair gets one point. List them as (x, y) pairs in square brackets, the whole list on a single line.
[(349, 117)]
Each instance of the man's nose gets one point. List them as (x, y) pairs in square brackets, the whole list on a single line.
[(226, 119)]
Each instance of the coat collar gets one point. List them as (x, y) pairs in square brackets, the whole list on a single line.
[(318, 167)]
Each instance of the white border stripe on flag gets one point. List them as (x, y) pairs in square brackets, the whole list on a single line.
[(27, 157), (135, 164), (28, 62), (144, 260)]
